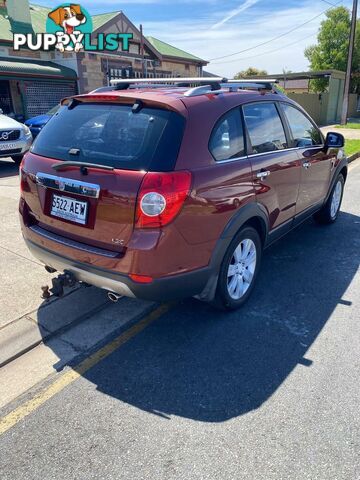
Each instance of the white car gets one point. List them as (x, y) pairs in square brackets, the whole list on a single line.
[(15, 138)]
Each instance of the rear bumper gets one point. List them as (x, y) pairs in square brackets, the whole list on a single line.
[(161, 289)]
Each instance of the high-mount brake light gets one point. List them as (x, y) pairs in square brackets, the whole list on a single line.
[(161, 197)]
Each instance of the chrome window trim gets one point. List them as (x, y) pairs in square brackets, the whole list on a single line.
[(286, 150), (68, 185), (228, 160), (268, 153)]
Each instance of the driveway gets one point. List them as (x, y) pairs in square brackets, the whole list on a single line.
[(270, 392)]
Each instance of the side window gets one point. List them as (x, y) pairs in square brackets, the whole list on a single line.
[(265, 128), (303, 131), (227, 138)]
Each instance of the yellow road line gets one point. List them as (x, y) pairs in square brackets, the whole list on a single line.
[(70, 376)]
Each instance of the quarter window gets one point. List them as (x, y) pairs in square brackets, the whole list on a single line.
[(265, 128), (304, 133), (227, 138)]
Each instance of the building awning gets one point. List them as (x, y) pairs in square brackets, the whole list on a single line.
[(16, 68)]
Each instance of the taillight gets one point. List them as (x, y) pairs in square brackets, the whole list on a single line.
[(161, 197)]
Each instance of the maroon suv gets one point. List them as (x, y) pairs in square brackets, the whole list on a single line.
[(161, 193)]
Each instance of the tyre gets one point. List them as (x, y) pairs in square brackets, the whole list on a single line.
[(17, 159), (330, 211), (239, 269)]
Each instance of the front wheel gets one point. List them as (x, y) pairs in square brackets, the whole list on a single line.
[(239, 270), (330, 211)]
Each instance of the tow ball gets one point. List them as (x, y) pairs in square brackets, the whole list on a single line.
[(66, 279)]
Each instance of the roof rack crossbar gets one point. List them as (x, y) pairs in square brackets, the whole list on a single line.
[(260, 84), (200, 85)]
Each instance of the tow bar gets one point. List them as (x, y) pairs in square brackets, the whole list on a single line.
[(66, 279)]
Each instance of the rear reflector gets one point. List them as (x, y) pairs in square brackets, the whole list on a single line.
[(140, 278), (161, 197)]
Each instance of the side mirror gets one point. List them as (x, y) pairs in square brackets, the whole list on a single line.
[(334, 140)]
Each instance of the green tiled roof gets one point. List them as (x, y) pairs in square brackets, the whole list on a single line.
[(169, 50), (38, 20), (100, 20), (34, 67), (39, 15)]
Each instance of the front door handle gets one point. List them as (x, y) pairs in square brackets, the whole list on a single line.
[(263, 174), (307, 164)]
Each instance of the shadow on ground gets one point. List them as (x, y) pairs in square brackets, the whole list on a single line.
[(208, 366), (8, 168)]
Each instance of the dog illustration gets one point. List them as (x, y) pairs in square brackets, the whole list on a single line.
[(68, 18)]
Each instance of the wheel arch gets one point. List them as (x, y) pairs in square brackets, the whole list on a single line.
[(344, 172), (341, 169), (252, 214)]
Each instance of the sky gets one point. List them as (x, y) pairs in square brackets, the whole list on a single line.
[(215, 28)]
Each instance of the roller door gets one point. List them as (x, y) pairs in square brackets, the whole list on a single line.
[(40, 97)]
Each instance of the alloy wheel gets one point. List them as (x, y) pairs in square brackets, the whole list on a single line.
[(336, 199), (241, 269)]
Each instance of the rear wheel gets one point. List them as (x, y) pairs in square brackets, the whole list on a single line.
[(239, 270), (330, 211), (17, 159)]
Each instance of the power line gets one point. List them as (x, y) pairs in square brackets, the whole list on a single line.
[(329, 3), (267, 52), (275, 38)]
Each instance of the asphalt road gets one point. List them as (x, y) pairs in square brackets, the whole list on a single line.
[(268, 392)]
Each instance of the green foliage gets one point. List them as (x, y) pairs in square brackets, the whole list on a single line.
[(332, 48), (282, 89), (354, 126), (250, 72), (352, 146)]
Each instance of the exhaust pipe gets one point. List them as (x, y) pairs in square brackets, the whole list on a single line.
[(114, 297)]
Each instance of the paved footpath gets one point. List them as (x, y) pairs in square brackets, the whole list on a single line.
[(271, 392)]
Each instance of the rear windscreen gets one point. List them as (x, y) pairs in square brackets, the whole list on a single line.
[(113, 135)]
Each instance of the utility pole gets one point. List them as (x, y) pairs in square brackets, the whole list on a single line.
[(345, 105), (142, 51)]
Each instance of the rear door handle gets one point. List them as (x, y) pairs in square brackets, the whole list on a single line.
[(263, 174), (307, 164)]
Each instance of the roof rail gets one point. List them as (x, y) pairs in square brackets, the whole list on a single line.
[(187, 80), (215, 88)]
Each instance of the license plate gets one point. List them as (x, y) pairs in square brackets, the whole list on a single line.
[(8, 146), (69, 209)]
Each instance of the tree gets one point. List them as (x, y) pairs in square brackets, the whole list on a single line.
[(331, 49), (250, 72)]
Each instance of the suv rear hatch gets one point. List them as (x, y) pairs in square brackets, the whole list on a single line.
[(83, 174)]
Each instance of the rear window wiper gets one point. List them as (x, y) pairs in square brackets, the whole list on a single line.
[(82, 165)]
